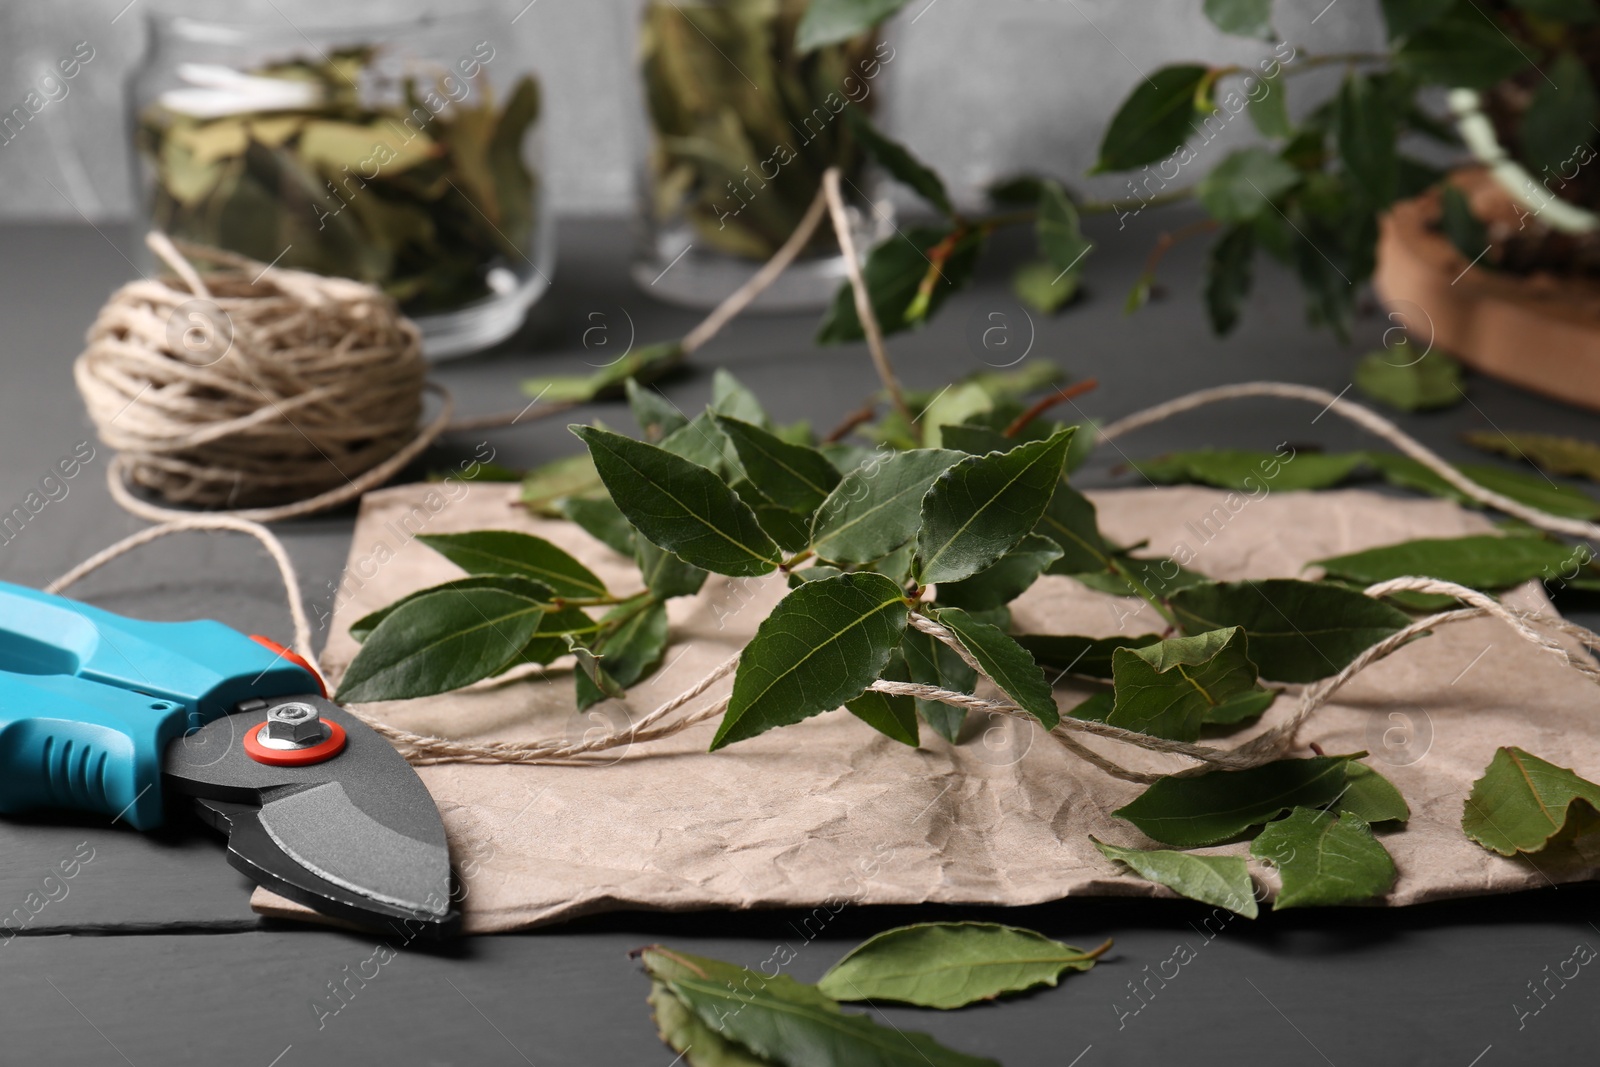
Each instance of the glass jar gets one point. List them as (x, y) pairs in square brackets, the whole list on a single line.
[(738, 129), (403, 155)]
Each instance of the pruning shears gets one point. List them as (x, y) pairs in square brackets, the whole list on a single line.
[(123, 717)]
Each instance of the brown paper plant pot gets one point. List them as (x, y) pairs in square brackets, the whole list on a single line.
[(1540, 331)]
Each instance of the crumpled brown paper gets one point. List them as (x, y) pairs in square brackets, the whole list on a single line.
[(830, 811)]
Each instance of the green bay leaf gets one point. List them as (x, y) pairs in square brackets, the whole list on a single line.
[(894, 273), (1460, 50), (1006, 663), (1251, 471), (799, 1034), (932, 662), (1434, 381), (1168, 689), (792, 476), (1220, 880), (1550, 453), (732, 399), (1298, 631), (1071, 521), (1229, 274), (1480, 561), (974, 439), (1090, 657), (681, 506), (600, 519), (1060, 239), (832, 21), (511, 552), (952, 964), (823, 644), (897, 160), (555, 635), (1004, 580), (1043, 287), (1371, 796), (890, 714), (698, 1045), (702, 441), (1245, 184), (592, 681), (1529, 489), (1242, 18), (1366, 128), (698, 1042), (439, 641), (545, 486), (876, 508), (634, 649), (981, 507), (1155, 119), (510, 583), (1211, 808), (1522, 801), (645, 364), (664, 574), (1270, 110), (1161, 577), (665, 964), (1324, 859), (1241, 707), (656, 415)]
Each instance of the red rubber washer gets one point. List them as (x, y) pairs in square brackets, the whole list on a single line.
[(293, 657), (326, 749)]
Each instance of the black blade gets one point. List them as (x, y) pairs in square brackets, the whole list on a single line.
[(356, 836), (252, 851)]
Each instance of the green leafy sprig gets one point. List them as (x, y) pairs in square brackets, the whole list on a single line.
[(901, 562), (1310, 198), (718, 1014)]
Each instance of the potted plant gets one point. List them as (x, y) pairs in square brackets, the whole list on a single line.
[(1336, 192)]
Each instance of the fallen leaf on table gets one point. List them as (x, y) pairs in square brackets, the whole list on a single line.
[(949, 964)]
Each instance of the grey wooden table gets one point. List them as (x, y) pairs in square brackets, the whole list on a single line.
[(150, 954)]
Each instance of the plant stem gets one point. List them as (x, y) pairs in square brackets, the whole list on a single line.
[(1309, 62), (798, 557), (1040, 407), (559, 602), (937, 256), (1134, 203), (864, 413), (1144, 592), (1170, 238), (1096, 953), (628, 608), (858, 284)]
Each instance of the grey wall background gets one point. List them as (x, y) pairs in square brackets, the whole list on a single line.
[(979, 88)]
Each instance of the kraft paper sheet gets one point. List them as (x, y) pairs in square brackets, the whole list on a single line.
[(829, 810)]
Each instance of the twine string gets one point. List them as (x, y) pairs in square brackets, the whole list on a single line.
[(257, 391)]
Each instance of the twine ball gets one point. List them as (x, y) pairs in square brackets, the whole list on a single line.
[(252, 387)]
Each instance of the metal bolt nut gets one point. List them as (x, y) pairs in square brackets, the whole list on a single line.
[(294, 722)]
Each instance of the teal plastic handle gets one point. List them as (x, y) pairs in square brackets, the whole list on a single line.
[(89, 700)]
